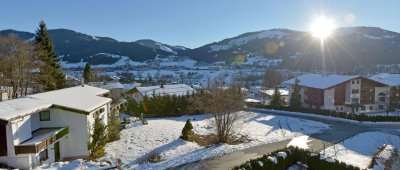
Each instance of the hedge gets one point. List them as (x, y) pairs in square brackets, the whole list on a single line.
[(293, 155), (351, 116)]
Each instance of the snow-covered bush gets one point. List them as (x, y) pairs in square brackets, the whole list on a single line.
[(283, 159)]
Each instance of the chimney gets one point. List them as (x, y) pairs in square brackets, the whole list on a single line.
[(83, 82)]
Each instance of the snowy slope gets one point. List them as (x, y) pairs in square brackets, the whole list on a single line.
[(162, 136)]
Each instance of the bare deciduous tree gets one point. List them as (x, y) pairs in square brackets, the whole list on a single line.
[(224, 105), (17, 61)]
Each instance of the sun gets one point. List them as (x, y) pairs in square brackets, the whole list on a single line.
[(322, 27)]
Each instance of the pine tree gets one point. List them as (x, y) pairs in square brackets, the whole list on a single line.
[(51, 75), (295, 98), (187, 133), (113, 129), (87, 73), (98, 138), (276, 100)]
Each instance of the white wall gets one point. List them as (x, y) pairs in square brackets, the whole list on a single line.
[(22, 161), (35, 118), (329, 99), (21, 129), (76, 141)]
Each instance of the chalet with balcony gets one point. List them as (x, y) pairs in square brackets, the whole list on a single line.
[(344, 93), (50, 126), (393, 81)]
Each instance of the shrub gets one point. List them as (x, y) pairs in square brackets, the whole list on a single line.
[(294, 154), (187, 133)]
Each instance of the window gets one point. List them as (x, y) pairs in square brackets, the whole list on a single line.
[(354, 91), (354, 100), (43, 155), (382, 99), (101, 110), (362, 108), (356, 109), (380, 107), (44, 115), (358, 82), (371, 107), (352, 82), (371, 90)]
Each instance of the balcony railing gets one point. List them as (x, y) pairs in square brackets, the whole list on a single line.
[(40, 140)]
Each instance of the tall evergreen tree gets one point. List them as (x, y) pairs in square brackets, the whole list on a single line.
[(87, 73), (295, 98), (272, 78), (276, 99), (51, 75)]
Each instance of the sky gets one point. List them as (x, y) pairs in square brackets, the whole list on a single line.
[(192, 23)]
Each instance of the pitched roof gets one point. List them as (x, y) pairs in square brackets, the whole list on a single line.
[(173, 89), (85, 99), (320, 81), (270, 92), (387, 78), (107, 85)]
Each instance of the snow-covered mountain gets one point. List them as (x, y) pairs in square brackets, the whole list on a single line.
[(346, 48)]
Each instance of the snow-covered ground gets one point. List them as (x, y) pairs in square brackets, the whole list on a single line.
[(360, 149), (161, 136)]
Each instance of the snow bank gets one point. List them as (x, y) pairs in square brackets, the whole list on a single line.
[(161, 136), (300, 142), (74, 165), (360, 149)]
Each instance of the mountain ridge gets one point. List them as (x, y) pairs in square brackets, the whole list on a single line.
[(347, 47)]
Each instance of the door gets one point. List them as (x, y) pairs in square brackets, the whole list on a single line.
[(57, 151)]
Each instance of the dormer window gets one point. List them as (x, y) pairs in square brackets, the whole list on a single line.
[(44, 115)]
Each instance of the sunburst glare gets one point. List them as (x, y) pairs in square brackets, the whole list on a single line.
[(322, 27)]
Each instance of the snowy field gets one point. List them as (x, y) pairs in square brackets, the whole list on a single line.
[(161, 136), (360, 149)]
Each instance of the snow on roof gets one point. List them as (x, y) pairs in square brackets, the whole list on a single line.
[(320, 81), (387, 78), (80, 98), (131, 86), (173, 89), (250, 100), (270, 92), (107, 85)]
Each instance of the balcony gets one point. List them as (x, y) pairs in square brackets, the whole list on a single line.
[(116, 105), (40, 140)]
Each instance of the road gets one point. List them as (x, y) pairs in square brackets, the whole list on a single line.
[(339, 131)]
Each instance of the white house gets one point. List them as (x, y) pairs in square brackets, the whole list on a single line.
[(266, 95), (344, 93), (393, 81), (172, 89), (50, 126)]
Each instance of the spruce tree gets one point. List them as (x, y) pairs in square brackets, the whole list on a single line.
[(187, 133), (87, 73), (113, 129), (276, 100), (295, 98), (51, 74), (98, 138)]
